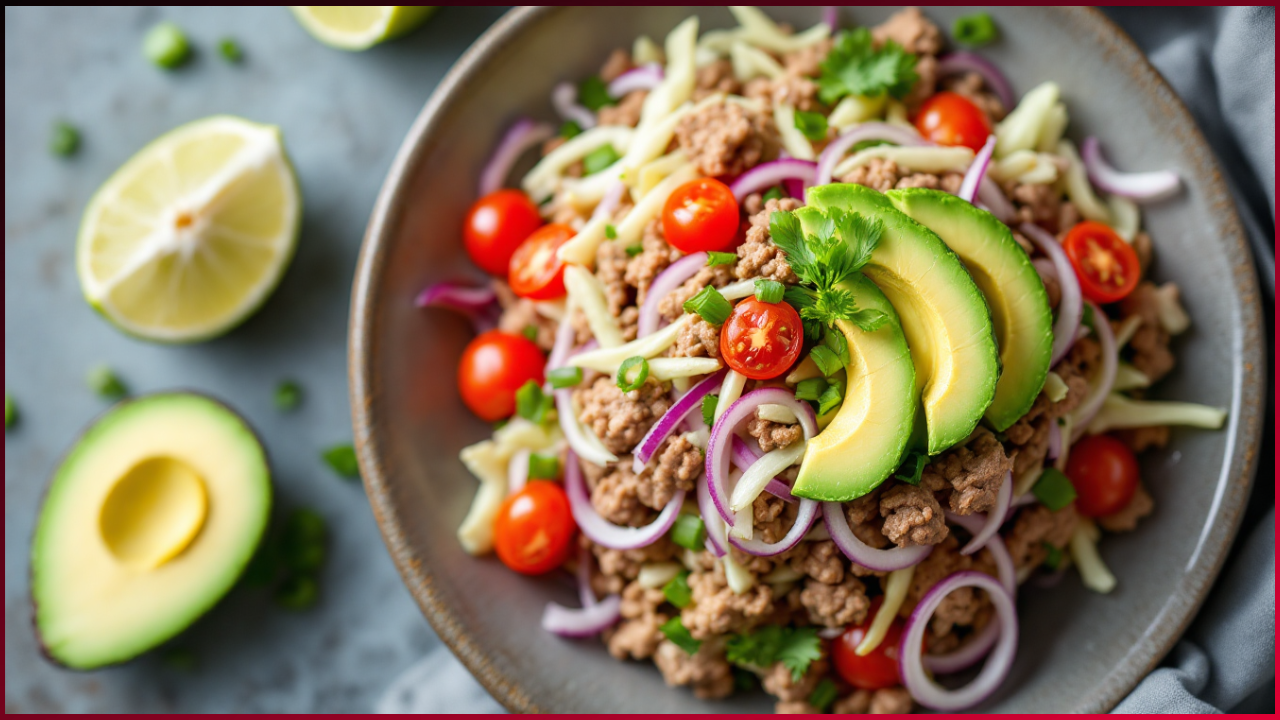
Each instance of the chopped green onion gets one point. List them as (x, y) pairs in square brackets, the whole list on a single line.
[(1054, 489), (10, 411), (299, 592), (599, 159), (593, 94), (634, 250), (773, 193), (836, 340), (721, 258), (812, 124), (65, 139), (342, 459), (104, 382), (826, 360), (677, 633), (544, 467), (166, 45), (624, 371), (769, 291), (811, 389), (912, 468), (831, 398), (302, 542), (530, 332), (677, 591), (688, 532), (564, 377), (288, 395), (1053, 560), (975, 30), (570, 130), (230, 50), (611, 232), (531, 403), (864, 144), (823, 695), (709, 403), (710, 304)]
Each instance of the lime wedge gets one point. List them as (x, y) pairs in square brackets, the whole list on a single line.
[(192, 234), (359, 27)]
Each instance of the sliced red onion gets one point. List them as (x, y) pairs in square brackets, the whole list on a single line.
[(888, 560), (962, 61), (603, 532), (609, 203), (910, 656), (766, 175), (564, 98), (574, 434), (977, 170), (1138, 186), (1099, 389), (479, 304), (718, 448), (795, 187), (1071, 306), (981, 642), (831, 16), (711, 521), (999, 551), (668, 280), (831, 633), (993, 519), (758, 547), (1055, 441), (585, 593), (518, 470), (742, 456), (587, 622), (672, 419), (522, 135), (832, 154), (1022, 500), (992, 197), (645, 77)]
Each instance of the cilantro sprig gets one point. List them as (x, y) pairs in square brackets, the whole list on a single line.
[(795, 648), (855, 67)]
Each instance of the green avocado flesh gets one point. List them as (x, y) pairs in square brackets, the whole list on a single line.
[(865, 442), (1013, 289), (944, 315), (148, 522)]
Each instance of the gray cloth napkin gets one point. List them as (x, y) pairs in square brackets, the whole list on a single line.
[(1222, 62)]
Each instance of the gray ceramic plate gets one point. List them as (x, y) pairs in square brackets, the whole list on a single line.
[(1079, 651)]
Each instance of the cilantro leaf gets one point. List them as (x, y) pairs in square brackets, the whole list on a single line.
[(800, 647), (855, 67), (795, 648), (868, 320), (861, 234), (912, 468)]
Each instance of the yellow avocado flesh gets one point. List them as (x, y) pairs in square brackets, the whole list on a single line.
[(148, 522), (944, 315), (865, 442), (1014, 291)]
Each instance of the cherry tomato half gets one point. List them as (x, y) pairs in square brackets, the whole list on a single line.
[(536, 271), (761, 340), (950, 118), (1104, 473), (878, 668), (496, 225), (492, 369), (533, 532), (701, 215), (1107, 266)]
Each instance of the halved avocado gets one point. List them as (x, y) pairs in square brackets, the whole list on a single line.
[(865, 442), (1019, 304), (944, 316), (147, 523)]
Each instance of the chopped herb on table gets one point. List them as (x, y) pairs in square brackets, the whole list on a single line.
[(342, 459), (975, 30), (300, 592), (166, 46), (64, 139), (10, 412), (104, 382), (288, 396), (302, 541), (230, 50)]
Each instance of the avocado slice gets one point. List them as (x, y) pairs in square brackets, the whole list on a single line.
[(147, 523), (865, 442), (944, 316), (1014, 291)]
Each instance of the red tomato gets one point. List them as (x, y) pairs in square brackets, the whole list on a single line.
[(1104, 473), (950, 118), (1107, 266), (492, 369), (761, 340), (878, 668), (536, 271), (495, 227), (533, 532), (701, 215)]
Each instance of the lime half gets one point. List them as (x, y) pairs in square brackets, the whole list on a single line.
[(192, 234), (359, 27)]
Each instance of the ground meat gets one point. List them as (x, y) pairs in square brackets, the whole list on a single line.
[(717, 610), (856, 703), (672, 306), (758, 256), (518, 314), (1052, 288), (772, 435), (699, 338), (891, 701), (626, 112), (611, 268), (1150, 344), (621, 419), (794, 707), (727, 139), (877, 174), (972, 86), (1023, 242), (655, 255), (616, 496), (638, 635), (974, 473), (778, 682), (678, 465), (794, 90), (910, 29), (835, 605), (625, 498), (1035, 526), (619, 61), (926, 83), (912, 516), (866, 522), (773, 519), (1028, 438), (948, 182), (706, 671), (1075, 370), (960, 607), (1142, 246), (820, 560), (1141, 438), (615, 568), (1127, 519), (716, 77)]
